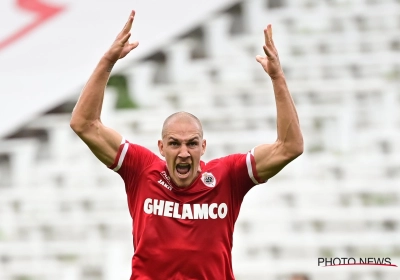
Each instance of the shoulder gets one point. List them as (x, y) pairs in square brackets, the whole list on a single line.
[(238, 165), (228, 161), (133, 156), (139, 152), (224, 165)]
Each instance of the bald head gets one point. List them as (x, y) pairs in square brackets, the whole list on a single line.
[(181, 117)]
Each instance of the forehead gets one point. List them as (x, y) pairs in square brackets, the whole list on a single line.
[(182, 128)]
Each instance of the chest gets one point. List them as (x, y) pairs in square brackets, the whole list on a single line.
[(207, 198)]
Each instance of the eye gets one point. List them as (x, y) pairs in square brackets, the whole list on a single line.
[(173, 143), (193, 144)]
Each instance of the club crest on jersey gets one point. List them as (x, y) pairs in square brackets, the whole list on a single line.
[(208, 179)]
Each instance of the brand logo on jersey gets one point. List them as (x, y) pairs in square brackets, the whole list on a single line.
[(185, 211), (165, 176), (208, 179), (165, 185)]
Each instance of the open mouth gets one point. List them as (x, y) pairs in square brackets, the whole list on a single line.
[(183, 168)]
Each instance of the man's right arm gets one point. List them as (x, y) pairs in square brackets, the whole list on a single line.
[(102, 141)]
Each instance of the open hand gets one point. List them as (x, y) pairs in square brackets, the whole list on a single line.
[(121, 46), (270, 62)]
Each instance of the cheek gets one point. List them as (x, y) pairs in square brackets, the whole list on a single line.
[(196, 155), (170, 157)]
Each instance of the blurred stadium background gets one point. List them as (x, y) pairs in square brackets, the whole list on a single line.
[(64, 216)]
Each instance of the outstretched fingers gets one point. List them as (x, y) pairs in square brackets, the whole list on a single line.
[(267, 51), (125, 39), (128, 24), (269, 47)]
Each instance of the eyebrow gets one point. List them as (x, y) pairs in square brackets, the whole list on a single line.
[(190, 140)]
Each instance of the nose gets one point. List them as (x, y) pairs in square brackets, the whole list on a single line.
[(183, 153)]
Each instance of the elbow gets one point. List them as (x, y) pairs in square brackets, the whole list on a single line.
[(76, 125), (298, 151), (75, 128), (80, 126), (294, 150)]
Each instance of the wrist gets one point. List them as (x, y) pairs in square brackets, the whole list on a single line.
[(278, 77), (107, 63)]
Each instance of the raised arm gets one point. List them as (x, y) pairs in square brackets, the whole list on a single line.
[(102, 141), (271, 158)]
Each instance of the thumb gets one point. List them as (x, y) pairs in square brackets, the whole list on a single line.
[(259, 58), (134, 45)]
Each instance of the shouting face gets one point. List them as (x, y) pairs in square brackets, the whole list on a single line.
[(182, 145)]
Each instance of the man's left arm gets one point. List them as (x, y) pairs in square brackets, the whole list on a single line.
[(271, 158)]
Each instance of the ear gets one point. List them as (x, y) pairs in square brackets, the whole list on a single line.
[(161, 147), (203, 146)]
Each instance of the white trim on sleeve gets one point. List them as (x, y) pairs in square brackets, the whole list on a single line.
[(249, 167), (123, 153)]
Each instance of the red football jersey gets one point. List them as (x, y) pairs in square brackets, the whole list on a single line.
[(183, 233)]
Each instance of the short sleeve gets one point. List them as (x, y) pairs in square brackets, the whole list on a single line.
[(243, 172), (131, 160)]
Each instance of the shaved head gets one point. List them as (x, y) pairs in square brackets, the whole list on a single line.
[(181, 117)]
